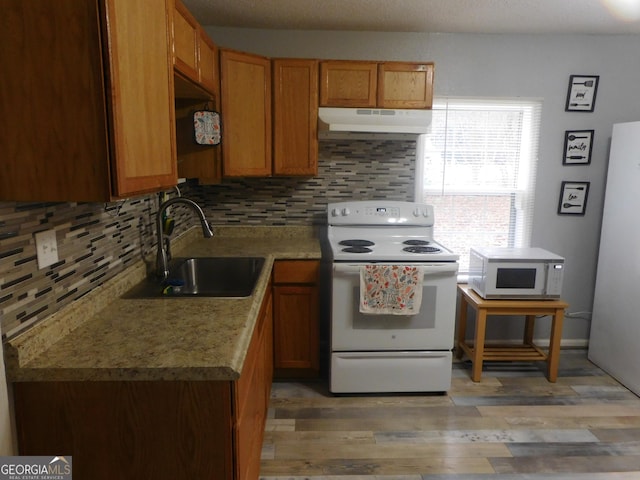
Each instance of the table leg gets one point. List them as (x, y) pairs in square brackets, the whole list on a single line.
[(528, 329), (462, 326), (478, 348), (553, 359)]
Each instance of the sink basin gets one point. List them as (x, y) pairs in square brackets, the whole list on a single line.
[(204, 277)]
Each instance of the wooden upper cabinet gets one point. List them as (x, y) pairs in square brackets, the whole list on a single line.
[(295, 117), (141, 98), (195, 54), (246, 113), (186, 37), (197, 86), (376, 84), (208, 75), (405, 85), (86, 104), (348, 84)]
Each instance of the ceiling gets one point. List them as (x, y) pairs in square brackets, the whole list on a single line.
[(455, 16)]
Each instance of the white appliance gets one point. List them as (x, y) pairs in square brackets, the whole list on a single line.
[(373, 353), (501, 272), (615, 324), (374, 120)]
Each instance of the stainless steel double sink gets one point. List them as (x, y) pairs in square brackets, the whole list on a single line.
[(204, 277)]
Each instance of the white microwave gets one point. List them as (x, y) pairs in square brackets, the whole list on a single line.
[(517, 273)]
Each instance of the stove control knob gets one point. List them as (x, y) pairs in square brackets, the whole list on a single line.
[(417, 212), (335, 212), (345, 211)]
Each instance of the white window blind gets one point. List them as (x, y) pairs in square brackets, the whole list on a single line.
[(478, 168)]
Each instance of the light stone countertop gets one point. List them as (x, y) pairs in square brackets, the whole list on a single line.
[(105, 337)]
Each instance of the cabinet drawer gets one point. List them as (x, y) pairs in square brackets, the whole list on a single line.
[(296, 271)]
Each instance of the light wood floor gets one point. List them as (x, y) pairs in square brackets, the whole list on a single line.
[(513, 425)]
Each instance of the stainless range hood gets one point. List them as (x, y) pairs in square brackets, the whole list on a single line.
[(374, 120)]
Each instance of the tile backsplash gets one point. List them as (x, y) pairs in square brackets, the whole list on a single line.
[(347, 170), (97, 241)]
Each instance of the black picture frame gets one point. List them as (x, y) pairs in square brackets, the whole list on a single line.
[(573, 198), (578, 145), (581, 95)]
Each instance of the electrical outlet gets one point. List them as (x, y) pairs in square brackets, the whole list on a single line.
[(46, 248)]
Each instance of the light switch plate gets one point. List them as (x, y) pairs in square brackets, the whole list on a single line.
[(46, 248)]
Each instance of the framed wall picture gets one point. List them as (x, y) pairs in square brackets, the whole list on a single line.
[(581, 96), (573, 198), (577, 147)]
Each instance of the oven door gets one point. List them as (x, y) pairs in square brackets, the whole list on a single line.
[(431, 329)]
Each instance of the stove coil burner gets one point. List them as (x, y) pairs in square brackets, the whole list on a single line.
[(421, 249), (357, 250), (356, 243), (416, 242)]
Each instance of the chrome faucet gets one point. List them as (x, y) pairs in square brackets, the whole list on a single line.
[(162, 257)]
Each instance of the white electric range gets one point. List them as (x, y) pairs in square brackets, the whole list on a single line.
[(383, 352)]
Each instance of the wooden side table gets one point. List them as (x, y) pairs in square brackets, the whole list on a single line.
[(528, 351)]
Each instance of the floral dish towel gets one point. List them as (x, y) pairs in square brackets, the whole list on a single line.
[(390, 289)]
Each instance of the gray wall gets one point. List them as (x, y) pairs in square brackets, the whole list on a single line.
[(509, 66)]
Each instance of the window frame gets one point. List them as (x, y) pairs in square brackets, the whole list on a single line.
[(523, 192)]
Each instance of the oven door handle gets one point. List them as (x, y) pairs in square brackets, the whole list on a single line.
[(427, 268)]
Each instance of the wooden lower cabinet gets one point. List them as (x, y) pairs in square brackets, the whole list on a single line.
[(296, 318), (153, 429), (251, 395), (129, 430)]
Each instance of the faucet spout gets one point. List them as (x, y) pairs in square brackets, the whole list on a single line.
[(162, 269)]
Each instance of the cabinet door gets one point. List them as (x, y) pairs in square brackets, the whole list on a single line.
[(250, 420), (86, 104), (296, 324), (296, 317), (140, 91), (208, 64), (53, 125), (405, 85), (295, 117), (179, 430), (186, 35), (252, 397), (268, 345), (246, 114), (348, 84)]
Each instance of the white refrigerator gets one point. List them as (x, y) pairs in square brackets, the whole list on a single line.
[(614, 343)]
